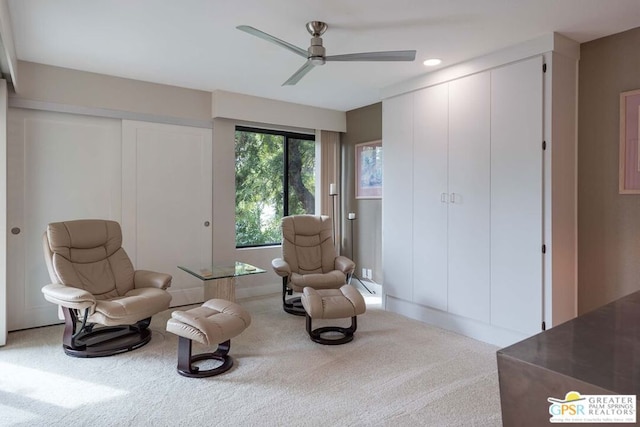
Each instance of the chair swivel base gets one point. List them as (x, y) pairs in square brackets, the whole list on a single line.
[(345, 334), (293, 306), (186, 360), (106, 341)]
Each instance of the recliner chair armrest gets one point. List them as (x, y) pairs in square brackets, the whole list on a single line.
[(151, 279), (344, 264), (281, 267), (68, 296)]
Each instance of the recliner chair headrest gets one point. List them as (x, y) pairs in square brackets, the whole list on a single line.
[(85, 240)]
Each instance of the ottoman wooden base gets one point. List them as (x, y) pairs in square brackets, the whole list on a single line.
[(186, 360), (345, 334), (332, 304)]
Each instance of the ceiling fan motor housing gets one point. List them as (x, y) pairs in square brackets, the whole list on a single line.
[(316, 51)]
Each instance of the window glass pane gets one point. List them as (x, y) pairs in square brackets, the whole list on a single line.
[(259, 188), (302, 177)]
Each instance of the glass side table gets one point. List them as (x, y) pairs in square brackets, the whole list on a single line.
[(219, 280)]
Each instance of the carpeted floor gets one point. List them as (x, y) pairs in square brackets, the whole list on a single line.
[(396, 372)]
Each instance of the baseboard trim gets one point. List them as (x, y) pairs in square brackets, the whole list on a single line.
[(468, 327)]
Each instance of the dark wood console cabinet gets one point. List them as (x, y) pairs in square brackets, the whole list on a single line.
[(596, 353)]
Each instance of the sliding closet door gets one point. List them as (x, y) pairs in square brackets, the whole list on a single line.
[(469, 196), (516, 196), (430, 199), (167, 201), (60, 167)]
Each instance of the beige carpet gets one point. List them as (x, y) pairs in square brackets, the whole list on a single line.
[(396, 372)]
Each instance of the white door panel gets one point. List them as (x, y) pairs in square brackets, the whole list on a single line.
[(397, 210), (167, 199), (430, 196), (469, 191), (516, 196), (61, 167)]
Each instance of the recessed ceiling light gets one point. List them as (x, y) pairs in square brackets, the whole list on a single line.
[(432, 62)]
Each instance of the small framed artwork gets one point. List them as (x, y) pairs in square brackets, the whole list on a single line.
[(629, 178), (369, 170)]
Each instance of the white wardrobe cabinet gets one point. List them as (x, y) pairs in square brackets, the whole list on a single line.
[(465, 215)]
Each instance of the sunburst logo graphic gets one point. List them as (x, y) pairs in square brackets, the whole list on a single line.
[(572, 396)]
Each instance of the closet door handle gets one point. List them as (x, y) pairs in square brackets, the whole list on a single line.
[(443, 197), (452, 198)]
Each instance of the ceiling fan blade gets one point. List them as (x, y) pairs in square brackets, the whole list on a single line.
[(302, 71), (270, 38), (394, 55)]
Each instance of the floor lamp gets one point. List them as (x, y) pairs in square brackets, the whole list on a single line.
[(333, 193), (352, 217)]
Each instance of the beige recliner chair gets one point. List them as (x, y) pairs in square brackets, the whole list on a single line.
[(309, 259), (93, 282)]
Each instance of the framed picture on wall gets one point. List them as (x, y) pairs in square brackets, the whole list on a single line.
[(629, 178), (369, 170)]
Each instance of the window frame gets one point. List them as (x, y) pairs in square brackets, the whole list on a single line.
[(288, 135)]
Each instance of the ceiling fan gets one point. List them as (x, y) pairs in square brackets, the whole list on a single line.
[(315, 54)]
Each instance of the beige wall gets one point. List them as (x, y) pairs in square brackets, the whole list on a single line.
[(608, 223), (363, 125), (54, 85), (254, 109)]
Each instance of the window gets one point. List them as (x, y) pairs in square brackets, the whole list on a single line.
[(275, 177)]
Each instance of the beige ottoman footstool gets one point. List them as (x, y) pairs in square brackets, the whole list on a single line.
[(214, 323), (332, 304)]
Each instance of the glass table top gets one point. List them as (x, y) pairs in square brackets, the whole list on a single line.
[(222, 271)]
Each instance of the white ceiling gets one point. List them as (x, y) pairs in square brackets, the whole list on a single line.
[(194, 43)]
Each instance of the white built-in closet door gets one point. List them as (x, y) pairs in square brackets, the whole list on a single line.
[(430, 198), (167, 201), (516, 196), (469, 196), (60, 167), (397, 209)]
